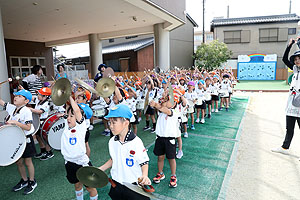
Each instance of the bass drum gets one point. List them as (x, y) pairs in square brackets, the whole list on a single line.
[(52, 130), (12, 144), (98, 111)]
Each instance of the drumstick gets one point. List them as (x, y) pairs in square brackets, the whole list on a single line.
[(8, 80)]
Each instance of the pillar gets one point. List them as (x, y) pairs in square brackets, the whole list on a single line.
[(161, 47), (95, 53), (5, 94)]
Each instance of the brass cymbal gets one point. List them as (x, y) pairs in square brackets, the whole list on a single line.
[(140, 190), (85, 85), (171, 94), (108, 72), (61, 91), (92, 177), (105, 87)]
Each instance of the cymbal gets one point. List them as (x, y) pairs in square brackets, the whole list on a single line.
[(105, 87), (92, 177), (61, 91), (140, 190), (108, 72), (86, 86), (171, 94)]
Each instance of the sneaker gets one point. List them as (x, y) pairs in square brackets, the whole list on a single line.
[(280, 150), (185, 135), (187, 126), (197, 120), (202, 121), (140, 119), (220, 108), (179, 154), (20, 185), (91, 127), (205, 115), (40, 155), (146, 128), (216, 110), (152, 130), (104, 132), (213, 110), (30, 187), (173, 182), (226, 109), (209, 116), (193, 127), (158, 178), (107, 134), (47, 156)]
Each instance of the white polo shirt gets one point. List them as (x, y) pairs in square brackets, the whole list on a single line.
[(168, 126), (23, 116), (73, 143), (44, 106), (127, 157)]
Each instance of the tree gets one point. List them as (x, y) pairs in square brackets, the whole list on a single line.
[(210, 56)]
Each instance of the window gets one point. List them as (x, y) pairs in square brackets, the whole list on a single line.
[(268, 35), (22, 66), (111, 40), (232, 37), (209, 37), (198, 38), (292, 31)]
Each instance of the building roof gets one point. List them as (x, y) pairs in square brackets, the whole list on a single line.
[(255, 20), (191, 20), (128, 46)]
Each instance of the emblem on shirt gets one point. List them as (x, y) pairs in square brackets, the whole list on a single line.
[(129, 162), (131, 153), (73, 139)]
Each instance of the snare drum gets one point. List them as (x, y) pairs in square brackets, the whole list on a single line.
[(207, 96), (98, 111), (140, 105), (98, 101), (190, 108), (199, 101), (52, 130), (12, 144), (36, 122), (224, 93)]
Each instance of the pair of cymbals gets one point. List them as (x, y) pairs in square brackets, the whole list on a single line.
[(92, 177), (61, 91)]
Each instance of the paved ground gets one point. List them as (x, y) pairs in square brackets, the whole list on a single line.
[(262, 85), (259, 173)]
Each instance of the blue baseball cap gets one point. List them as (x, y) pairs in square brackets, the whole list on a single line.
[(201, 81), (164, 81), (133, 89), (24, 93), (87, 110), (120, 110)]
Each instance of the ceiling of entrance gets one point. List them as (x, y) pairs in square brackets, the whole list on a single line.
[(49, 20)]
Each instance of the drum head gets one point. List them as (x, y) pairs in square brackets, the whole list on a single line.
[(3, 115), (36, 122), (55, 133), (12, 144)]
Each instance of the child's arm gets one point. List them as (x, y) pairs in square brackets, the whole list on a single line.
[(107, 165), (37, 111), (144, 179), (118, 94), (76, 109), (25, 127), (161, 109)]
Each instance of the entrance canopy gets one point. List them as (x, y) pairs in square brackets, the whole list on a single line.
[(59, 22)]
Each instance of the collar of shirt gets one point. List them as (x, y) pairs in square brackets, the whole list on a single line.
[(129, 136)]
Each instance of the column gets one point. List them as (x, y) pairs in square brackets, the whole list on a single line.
[(95, 53), (5, 94), (161, 47)]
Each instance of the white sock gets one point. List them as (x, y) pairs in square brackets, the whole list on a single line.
[(94, 198), (106, 129), (79, 194)]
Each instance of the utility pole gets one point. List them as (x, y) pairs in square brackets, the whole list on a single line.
[(290, 10), (203, 31)]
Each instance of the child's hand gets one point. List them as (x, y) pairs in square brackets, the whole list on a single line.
[(20, 87), (144, 180), (12, 122), (152, 104)]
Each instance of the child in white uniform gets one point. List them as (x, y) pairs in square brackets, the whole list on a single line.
[(73, 148), (128, 156)]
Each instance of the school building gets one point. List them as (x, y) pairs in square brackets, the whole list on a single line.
[(29, 30)]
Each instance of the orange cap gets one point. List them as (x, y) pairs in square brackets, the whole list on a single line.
[(88, 95), (138, 83), (45, 91)]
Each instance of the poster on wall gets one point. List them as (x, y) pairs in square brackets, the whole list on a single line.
[(257, 67)]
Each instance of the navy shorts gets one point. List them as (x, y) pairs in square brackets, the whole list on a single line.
[(165, 146)]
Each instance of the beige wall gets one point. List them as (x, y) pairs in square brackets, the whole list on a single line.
[(255, 46)]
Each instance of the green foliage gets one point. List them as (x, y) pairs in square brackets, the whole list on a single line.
[(210, 56)]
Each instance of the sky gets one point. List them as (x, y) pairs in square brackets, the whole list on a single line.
[(213, 8)]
